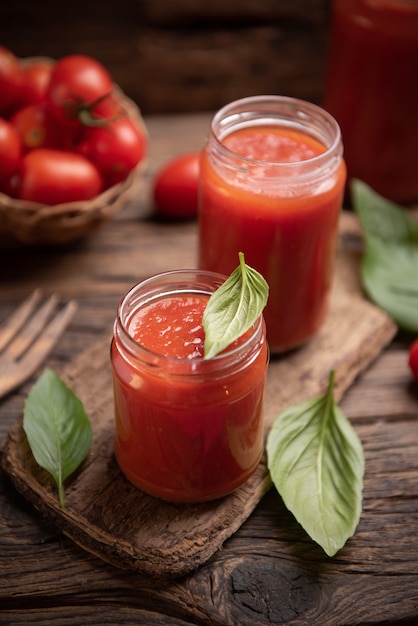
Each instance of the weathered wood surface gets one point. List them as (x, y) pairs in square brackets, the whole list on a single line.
[(269, 571), (108, 516), (186, 55)]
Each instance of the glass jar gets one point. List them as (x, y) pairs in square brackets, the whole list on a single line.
[(371, 88), (187, 429), (271, 186)]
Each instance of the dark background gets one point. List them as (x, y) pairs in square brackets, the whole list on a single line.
[(182, 55)]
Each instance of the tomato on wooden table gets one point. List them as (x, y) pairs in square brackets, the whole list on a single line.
[(10, 149), (176, 187), (10, 81), (115, 147), (55, 176), (413, 359)]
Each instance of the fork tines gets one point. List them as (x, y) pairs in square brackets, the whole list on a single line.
[(28, 335)]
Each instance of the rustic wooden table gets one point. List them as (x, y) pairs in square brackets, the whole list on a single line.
[(268, 572)]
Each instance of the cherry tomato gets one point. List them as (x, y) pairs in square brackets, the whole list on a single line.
[(10, 186), (77, 83), (176, 187), (10, 81), (10, 149), (413, 359), (35, 82), (102, 113), (114, 148), (55, 176), (35, 127)]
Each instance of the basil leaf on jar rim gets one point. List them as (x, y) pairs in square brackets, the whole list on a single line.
[(57, 428), (233, 308), (389, 269), (316, 463)]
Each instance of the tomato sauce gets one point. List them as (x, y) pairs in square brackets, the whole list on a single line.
[(187, 430), (372, 90), (172, 326), (285, 225)]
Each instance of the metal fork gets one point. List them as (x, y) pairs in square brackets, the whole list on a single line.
[(27, 337)]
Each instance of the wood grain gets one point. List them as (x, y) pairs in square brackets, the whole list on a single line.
[(111, 518), (268, 571)]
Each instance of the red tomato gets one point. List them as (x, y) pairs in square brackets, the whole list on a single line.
[(35, 82), (114, 148), (10, 81), (10, 149), (413, 359), (104, 112), (34, 127), (54, 176), (176, 187), (10, 186), (77, 82)]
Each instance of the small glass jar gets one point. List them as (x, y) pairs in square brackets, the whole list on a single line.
[(371, 88), (272, 178), (187, 429)]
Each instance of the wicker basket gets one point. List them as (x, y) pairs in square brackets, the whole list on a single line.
[(33, 223)]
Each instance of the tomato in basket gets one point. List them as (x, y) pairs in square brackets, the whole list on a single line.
[(77, 83), (10, 150), (35, 82), (115, 148), (10, 81), (55, 176), (35, 127), (66, 132)]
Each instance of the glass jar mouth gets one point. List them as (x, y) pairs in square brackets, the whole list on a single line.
[(175, 282), (283, 111)]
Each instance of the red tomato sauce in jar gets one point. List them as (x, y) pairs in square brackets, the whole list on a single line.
[(187, 429), (258, 196), (273, 144), (371, 89)]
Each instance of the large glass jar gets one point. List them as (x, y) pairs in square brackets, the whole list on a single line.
[(372, 90), (271, 186), (187, 429)]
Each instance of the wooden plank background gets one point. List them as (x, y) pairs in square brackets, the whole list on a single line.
[(182, 55)]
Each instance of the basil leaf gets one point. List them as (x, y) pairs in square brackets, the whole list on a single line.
[(57, 428), (389, 267), (316, 462), (233, 308)]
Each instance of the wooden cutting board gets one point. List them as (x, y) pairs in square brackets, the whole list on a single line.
[(109, 517)]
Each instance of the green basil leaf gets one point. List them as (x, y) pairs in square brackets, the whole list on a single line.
[(316, 463), (389, 269), (233, 308), (57, 428)]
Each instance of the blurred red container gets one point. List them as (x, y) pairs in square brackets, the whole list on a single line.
[(372, 90)]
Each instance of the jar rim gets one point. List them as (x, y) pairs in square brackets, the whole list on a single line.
[(171, 278), (240, 113)]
